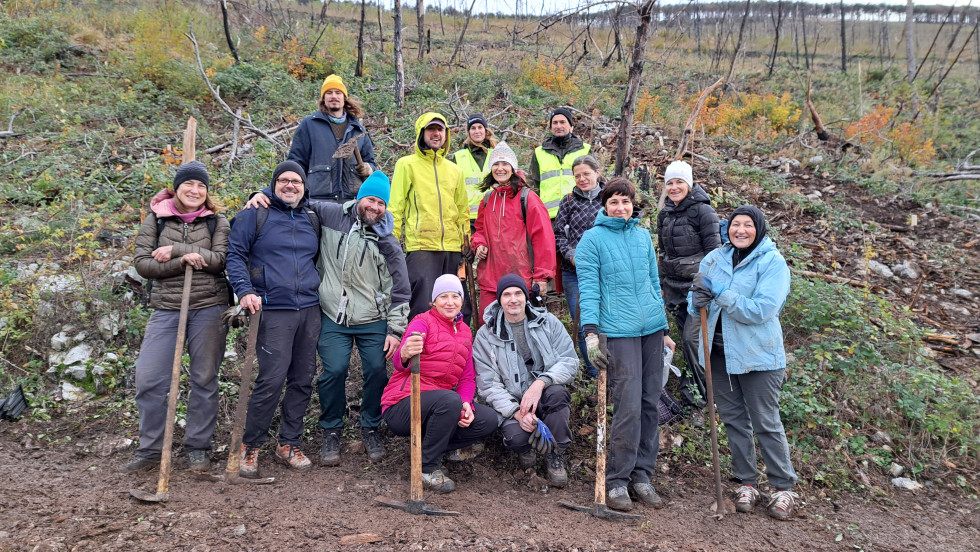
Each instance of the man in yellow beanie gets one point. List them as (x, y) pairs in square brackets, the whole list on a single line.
[(317, 138)]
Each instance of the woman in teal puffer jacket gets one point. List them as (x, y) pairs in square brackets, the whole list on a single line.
[(744, 285), (620, 296)]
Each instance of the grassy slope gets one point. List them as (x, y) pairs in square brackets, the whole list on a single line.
[(102, 90)]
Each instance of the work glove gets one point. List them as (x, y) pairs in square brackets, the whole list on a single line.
[(234, 317), (596, 356), (363, 170), (702, 293), (541, 439)]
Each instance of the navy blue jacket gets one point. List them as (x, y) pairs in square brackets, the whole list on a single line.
[(278, 265), (313, 147)]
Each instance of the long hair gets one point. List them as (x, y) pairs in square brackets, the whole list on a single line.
[(514, 183), (351, 106), (490, 139)]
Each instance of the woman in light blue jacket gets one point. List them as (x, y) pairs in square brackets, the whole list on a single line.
[(620, 296), (744, 286)]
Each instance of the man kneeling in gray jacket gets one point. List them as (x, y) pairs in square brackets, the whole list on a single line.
[(524, 358)]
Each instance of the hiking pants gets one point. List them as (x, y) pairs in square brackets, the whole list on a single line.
[(423, 269), (553, 410), (335, 346), (206, 345), (636, 367), (287, 356), (440, 430), (749, 403), (693, 392)]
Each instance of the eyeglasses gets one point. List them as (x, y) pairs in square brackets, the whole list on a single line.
[(285, 181)]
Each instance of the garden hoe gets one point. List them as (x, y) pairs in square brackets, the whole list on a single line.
[(721, 505), (163, 483), (598, 508), (241, 409), (416, 503)]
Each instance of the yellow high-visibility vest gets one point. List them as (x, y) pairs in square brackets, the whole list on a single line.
[(556, 178), (473, 175)]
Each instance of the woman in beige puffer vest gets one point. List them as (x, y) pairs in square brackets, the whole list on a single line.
[(191, 234)]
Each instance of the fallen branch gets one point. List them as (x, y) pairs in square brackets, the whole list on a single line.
[(838, 280), (814, 116), (942, 338), (23, 155), (688, 132), (278, 131), (10, 126)]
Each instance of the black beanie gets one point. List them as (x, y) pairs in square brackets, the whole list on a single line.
[(561, 111), (509, 281), (475, 118), (287, 166), (192, 170), (758, 219)]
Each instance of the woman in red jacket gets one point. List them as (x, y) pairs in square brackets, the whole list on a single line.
[(450, 419), (513, 231)]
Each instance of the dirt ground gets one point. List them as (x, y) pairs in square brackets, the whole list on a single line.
[(68, 495)]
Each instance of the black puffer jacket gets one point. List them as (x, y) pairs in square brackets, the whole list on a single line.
[(686, 232)]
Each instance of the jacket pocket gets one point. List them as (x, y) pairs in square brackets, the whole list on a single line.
[(319, 180), (257, 275)]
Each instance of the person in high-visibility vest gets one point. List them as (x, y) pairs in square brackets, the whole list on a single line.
[(551, 167), (472, 159)]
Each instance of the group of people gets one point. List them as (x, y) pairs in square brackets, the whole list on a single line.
[(334, 254)]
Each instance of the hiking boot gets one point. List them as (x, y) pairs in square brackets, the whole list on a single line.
[(139, 463), (249, 466), (465, 453), (438, 482), (745, 498), (330, 451), (782, 504), (527, 459), (198, 460), (697, 417), (372, 444), (644, 492), (557, 474), (293, 457), (619, 499)]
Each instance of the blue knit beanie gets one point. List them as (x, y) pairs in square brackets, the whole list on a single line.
[(376, 185)]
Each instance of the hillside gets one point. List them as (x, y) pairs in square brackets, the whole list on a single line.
[(882, 326)]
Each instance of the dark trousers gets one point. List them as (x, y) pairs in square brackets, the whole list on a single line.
[(636, 369), (553, 410), (287, 356), (335, 346), (206, 346), (693, 391), (748, 405), (440, 430), (423, 269), (569, 281)]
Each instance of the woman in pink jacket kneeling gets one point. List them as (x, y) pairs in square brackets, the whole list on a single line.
[(450, 419)]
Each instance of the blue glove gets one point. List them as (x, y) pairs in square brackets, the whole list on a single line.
[(541, 439)]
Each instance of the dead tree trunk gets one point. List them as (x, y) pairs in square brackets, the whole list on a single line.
[(381, 31), (359, 68), (778, 21), (843, 40), (806, 51), (633, 86), (738, 44), (818, 127), (617, 44), (231, 43), (697, 26), (420, 13), (399, 61), (462, 33), (910, 40)]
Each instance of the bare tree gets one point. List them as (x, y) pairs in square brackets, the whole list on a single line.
[(843, 40), (645, 13), (359, 68), (778, 22), (381, 31), (399, 61), (738, 44), (231, 43), (459, 41), (420, 11), (910, 39)]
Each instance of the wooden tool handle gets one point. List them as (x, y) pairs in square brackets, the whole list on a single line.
[(600, 430), (715, 462), (163, 484), (416, 437), (241, 409)]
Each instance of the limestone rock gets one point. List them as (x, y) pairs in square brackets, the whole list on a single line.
[(906, 483), (73, 393), (59, 341), (79, 354)]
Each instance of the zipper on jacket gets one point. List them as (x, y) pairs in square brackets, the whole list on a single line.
[(442, 223)]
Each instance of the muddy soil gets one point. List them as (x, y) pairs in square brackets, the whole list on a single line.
[(61, 494)]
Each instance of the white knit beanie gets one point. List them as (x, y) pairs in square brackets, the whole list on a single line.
[(502, 152), (679, 169)]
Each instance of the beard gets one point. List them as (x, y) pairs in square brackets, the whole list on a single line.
[(368, 219)]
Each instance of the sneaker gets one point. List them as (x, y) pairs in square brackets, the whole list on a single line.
[(645, 493), (783, 504), (557, 474), (372, 443), (527, 459), (465, 453), (619, 499), (198, 460), (437, 481), (745, 498), (293, 457), (697, 417), (330, 451), (249, 466), (140, 463)]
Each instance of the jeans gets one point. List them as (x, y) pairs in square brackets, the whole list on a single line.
[(569, 281)]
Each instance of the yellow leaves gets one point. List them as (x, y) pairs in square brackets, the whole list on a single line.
[(758, 116), (171, 155), (549, 76), (648, 108), (908, 140)]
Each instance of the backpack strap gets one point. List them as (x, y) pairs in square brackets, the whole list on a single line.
[(530, 249)]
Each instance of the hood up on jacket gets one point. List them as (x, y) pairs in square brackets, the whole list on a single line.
[(420, 124), (162, 202)]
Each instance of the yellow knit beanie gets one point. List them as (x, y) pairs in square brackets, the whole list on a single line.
[(333, 81)]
